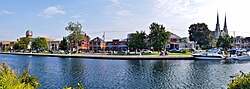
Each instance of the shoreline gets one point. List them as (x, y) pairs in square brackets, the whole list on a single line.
[(115, 57)]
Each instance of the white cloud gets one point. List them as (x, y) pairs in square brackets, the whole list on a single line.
[(175, 15), (116, 3), (123, 13), (170, 8), (180, 14), (53, 11), (5, 12)]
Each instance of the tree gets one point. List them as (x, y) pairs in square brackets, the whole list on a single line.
[(64, 44), (213, 42), (22, 44), (9, 80), (40, 43), (137, 40), (201, 34), (225, 42), (158, 36), (6, 48), (76, 34), (25, 40)]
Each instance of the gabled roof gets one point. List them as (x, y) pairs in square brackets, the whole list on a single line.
[(97, 39), (172, 35)]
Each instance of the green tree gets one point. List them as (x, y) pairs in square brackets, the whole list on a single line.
[(64, 44), (213, 42), (25, 40), (225, 42), (28, 79), (9, 80), (22, 44), (137, 40), (76, 34), (201, 34), (6, 48), (40, 43), (158, 36)]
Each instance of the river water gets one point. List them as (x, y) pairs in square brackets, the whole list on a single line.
[(55, 72)]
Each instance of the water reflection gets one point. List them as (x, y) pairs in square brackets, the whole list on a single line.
[(55, 72)]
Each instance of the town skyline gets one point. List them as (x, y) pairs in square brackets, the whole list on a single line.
[(117, 18)]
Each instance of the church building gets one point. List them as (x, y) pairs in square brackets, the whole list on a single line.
[(219, 32)]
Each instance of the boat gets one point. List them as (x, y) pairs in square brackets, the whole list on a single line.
[(211, 54), (239, 55)]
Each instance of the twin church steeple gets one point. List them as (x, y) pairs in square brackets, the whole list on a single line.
[(225, 25), (219, 32)]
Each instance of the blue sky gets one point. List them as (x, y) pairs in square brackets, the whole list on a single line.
[(117, 18)]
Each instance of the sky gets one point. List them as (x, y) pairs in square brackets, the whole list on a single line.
[(117, 18)]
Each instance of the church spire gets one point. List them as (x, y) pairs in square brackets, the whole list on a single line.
[(217, 28), (218, 23), (225, 25)]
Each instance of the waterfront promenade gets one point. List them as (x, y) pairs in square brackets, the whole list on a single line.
[(103, 56)]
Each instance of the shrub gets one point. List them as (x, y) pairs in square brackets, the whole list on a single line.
[(9, 80), (184, 50), (240, 82)]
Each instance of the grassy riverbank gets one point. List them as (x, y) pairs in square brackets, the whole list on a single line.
[(115, 56), (155, 54)]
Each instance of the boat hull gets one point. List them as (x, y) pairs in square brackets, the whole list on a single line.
[(208, 57), (240, 58)]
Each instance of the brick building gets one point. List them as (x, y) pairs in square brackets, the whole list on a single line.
[(6, 45), (97, 44)]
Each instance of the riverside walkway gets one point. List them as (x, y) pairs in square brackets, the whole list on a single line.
[(103, 56)]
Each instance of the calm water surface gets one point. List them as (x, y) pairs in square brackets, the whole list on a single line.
[(54, 72)]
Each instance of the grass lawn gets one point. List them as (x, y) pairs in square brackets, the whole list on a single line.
[(60, 53), (180, 54), (157, 54), (153, 53), (188, 53)]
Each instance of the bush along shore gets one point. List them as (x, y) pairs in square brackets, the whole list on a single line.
[(240, 82), (9, 79)]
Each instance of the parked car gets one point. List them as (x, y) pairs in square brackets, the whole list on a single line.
[(19, 50), (146, 51), (34, 51)]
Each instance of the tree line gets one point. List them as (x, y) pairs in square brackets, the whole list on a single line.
[(39, 43), (155, 40), (139, 40)]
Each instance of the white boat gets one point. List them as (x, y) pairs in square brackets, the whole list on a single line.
[(211, 54), (239, 55)]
